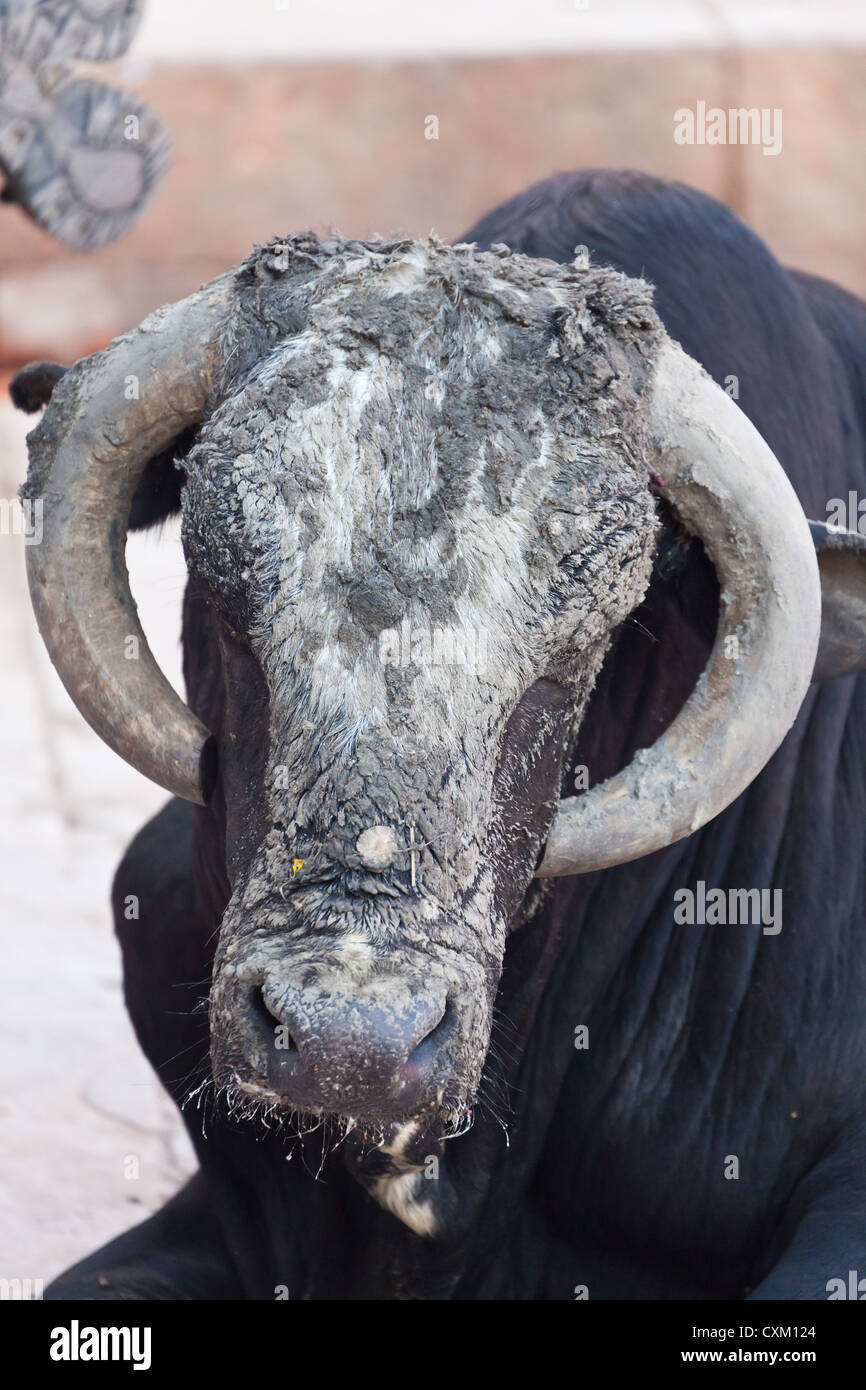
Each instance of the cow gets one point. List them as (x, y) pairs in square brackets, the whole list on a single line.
[(523, 968)]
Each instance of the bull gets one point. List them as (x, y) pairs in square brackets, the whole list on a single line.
[(431, 904)]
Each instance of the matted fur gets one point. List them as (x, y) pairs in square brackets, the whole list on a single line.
[(409, 433)]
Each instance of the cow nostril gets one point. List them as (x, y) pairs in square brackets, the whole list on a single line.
[(425, 1051), (277, 1031)]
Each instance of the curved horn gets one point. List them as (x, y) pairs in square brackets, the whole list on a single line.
[(108, 416), (728, 489)]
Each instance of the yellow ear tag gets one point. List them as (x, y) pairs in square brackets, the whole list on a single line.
[(297, 864)]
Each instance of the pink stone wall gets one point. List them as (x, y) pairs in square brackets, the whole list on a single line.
[(262, 150)]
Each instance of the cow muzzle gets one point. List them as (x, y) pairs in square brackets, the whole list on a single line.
[(373, 1049)]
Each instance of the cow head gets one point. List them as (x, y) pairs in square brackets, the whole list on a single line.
[(417, 508)]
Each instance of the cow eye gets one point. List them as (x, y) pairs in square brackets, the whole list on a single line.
[(228, 618), (232, 632)]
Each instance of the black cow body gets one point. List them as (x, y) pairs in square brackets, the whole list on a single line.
[(713, 1050)]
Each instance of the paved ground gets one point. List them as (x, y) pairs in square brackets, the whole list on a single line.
[(89, 1144)]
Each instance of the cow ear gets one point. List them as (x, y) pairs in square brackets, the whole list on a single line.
[(842, 564), (158, 494), (30, 389)]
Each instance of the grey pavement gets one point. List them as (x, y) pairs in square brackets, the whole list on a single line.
[(89, 1143)]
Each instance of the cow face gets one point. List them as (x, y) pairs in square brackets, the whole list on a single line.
[(414, 516)]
